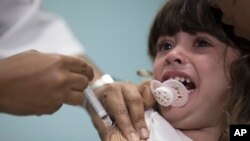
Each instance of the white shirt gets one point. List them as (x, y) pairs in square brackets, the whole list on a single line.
[(24, 26), (161, 130)]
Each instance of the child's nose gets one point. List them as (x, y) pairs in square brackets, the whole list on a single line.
[(175, 56)]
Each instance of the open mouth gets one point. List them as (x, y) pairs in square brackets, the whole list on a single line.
[(187, 82)]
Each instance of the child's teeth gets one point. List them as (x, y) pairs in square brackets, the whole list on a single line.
[(177, 78), (182, 79)]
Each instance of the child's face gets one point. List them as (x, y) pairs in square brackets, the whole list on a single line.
[(204, 60)]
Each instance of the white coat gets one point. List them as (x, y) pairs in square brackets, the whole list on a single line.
[(24, 26)]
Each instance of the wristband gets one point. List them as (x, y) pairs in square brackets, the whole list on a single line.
[(105, 79)]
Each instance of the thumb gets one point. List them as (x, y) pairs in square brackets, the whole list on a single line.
[(147, 96)]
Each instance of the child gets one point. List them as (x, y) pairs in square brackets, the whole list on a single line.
[(189, 43)]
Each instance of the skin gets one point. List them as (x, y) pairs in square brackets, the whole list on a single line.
[(237, 14), (202, 58), (38, 83), (124, 101)]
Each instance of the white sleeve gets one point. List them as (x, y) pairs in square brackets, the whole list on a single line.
[(40, 31)]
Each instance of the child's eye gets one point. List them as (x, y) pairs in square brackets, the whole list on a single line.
[(200, 43), (164, 46)]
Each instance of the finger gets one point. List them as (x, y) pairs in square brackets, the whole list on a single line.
[(136, 109), (103, 131), (74, 98), (78, 65), (116, 135), (113, 102), (147, 95), (78, 82)]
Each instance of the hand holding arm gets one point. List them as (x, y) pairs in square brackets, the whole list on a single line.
[(125, 102)]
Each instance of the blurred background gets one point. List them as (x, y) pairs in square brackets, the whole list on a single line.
[(114, 34)]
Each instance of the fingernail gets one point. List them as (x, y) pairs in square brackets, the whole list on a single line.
[(133, 137), (144, 133)]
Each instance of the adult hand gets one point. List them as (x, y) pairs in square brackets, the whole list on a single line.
[(125, 103), (38, 83), (237, 14)]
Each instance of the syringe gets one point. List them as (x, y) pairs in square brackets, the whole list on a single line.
[(97, 106)]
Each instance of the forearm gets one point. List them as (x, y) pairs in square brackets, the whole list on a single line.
[(235, 13), (4, 85)]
